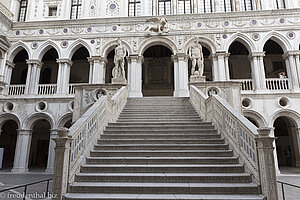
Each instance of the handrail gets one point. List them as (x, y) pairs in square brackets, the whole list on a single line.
[(26, 185), (253, 146), (282, 188), (74, 144)]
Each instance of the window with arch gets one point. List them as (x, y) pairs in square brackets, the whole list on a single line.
[(22, 11), (76, 9), (246, 5), (184, 6), (280, 4), (164, 7), (225, 5), (134, 8), (205, 6)]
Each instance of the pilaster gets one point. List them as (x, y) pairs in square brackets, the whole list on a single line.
[(97, 69), (22, 151), (63, 76), (258, 71), (33, 76), (290, 60), (51, 151), (180, 75), (135, 75)]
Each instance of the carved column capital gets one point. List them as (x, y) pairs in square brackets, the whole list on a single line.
[(99, 59), (135, 58), (62, 60), (253, 55), (10, 64), (35, 62)]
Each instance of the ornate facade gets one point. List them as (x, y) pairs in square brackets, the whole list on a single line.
[(48, 47)]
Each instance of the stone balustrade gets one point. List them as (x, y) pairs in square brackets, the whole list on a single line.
[(253, 146), (75, 143)]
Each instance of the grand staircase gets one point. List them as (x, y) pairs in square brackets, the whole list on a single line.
[(160, 149)]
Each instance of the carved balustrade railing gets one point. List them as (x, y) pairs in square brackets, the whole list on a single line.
[(72, 88), (47, 89), (247, 84), (16, 90), (253, 146), (277, 83), (75, 144)]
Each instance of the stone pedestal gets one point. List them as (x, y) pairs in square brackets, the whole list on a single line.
[(118, 80), (196, 78)]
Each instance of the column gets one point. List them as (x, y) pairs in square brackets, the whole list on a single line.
[(97, 69), (267, 172), (295, 134), (297, 60), (135, 75), (33, 76), (2, 65), (220, 56), (255, 71), (291, 69), (261, 70), (63, 76), (154, 8), (8, 73), (215, 74), (227, 75), (51, 152), (181, 88), (22, 151)]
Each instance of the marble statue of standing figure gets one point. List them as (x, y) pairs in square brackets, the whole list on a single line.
[(196, 55), (119, 61)]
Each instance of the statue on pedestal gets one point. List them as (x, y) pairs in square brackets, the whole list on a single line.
[(119, 61), (196, 55)]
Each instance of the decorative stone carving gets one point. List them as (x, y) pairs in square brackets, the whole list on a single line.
[(157, 25), (118, 71)]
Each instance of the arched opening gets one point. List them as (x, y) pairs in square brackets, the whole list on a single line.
[(39, 144), (157, 72), (287, 144), (110, 65), (207, 64), (19, 73), (50, 67), (273, 61), (68, 124), (239, 65), (8, 139), (80, 67), (253, 121)]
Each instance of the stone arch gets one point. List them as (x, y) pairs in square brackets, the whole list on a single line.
[(290, 114), (206, 42), (16, 48), (75, 46), (29, 121), (145, 44), (40, 52), (256, 116), (276, 37), (242, 38), (9, 116), (111, 45), (63, 119)]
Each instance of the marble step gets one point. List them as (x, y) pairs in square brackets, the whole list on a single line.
[(164, 188), (182, 168), (175, 196), (161, 141), (158, 132), (165, 177), (162, 136), (181, 146), (161, 153), (161, 160)]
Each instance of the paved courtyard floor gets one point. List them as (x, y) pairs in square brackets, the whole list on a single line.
[(8, 179)]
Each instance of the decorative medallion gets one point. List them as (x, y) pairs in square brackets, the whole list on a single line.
[(64, 44), (255, 36), (34, 45), (226, 23), (253, 22), (92, 7), (18, 32), (92, 41), (114, 28), (290, 35), (199, 24), (41, 31), (224, 36), (89, 29), (65, 30), (112, 6), (281, 20)]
